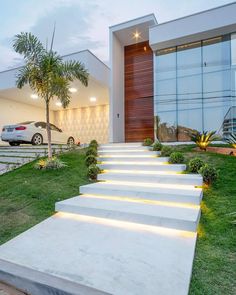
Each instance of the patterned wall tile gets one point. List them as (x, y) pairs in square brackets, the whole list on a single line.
[(86, 123)]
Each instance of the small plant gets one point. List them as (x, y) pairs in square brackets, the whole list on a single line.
[(209, 174), (176, 158), (157, 146), (166, 151), (49, 164), (195, 165), (93, 171), (202, 140), (93, 143), (91, 159), (232, 140), (147, 142), (91, 151)]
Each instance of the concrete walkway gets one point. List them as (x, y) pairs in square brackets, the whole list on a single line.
[(133, 233)]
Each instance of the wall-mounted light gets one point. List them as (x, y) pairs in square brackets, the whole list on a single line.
[(72, 90), (93, 99), (34, 96), (58, 103)]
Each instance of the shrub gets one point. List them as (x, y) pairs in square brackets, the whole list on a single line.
[(91, 151), (176, 158), (166, 151), (195, 164), (232, 140), (202, 140), (93, 171), (209, 174), (147, 142), (49, 164), (93, 143), (157, 146), (91, 159)]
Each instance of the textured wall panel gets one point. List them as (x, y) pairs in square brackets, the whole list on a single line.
[(85, 123)]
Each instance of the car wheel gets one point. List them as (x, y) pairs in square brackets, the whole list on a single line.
[(37, 139), (70, 141), (14, 143)]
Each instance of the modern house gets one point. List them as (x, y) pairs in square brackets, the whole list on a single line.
[(165, 80)]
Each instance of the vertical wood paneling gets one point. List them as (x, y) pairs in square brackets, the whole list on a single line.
[(139, 117)]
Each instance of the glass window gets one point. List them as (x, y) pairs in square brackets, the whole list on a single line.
[(216, 82), (189, 89), (54, 128), (41, 125), (165, 95)]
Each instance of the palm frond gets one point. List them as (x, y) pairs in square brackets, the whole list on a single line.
[(75, 70), (29, 46)]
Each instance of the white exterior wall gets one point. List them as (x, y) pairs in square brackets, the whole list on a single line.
[(117, 113), (199, 26), (85, 123), (13, 112)]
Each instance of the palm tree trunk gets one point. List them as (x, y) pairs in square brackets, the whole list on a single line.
[(48, 131)]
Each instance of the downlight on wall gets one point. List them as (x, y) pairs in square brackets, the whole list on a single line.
[(34, 96), (58, 103), (93, 99), (72, 90)]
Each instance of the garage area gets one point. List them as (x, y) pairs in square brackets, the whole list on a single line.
[(87, 116)]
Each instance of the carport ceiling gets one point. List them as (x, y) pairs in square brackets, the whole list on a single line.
[(81, 98)]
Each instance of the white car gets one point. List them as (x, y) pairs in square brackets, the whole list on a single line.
[(34, 133)]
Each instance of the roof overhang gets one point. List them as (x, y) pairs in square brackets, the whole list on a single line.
[(98, 85), (125, 31), (199, 26)]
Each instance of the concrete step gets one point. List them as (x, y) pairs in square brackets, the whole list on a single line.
[(152, 166), (75, 254), (125, 152), (117, 148), (144, 158), (20, 154), (15, 160), (152, 177), (121, 145), (145, 191), (180, 218)]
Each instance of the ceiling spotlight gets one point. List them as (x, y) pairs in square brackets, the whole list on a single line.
[(34, 96), (72, 90), (137, 35), (92, 99), (58, 103)]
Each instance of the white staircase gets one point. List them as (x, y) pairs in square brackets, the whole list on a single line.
[(139, 186), (131, 233)]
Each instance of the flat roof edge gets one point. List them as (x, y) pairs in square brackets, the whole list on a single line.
[(193, 14), (65, 55), (135, 19)]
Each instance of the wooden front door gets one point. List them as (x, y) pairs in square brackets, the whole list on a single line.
[(139, 117)]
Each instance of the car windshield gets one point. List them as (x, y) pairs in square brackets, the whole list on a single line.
[(25, 123)]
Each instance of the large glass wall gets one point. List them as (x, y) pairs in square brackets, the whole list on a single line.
[(195, 88)]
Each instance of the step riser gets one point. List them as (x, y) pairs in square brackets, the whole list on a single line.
[(128, 153), (167, 179), (172, 168), (134, 159), (124, 148), (124, 216), (164, 197)]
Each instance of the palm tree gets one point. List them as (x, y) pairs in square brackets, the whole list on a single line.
[(46, 73)]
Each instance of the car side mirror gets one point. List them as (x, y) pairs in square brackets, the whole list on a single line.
[(60, 130)]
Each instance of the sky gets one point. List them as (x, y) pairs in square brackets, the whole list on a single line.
[(82, 24)]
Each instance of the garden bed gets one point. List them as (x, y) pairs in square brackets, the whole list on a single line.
[(220, 150)]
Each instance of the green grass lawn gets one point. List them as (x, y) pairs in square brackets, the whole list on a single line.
[(214, 269), (28, 196)]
